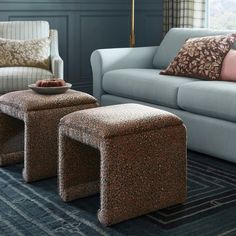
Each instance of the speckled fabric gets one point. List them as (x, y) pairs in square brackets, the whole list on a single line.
[(133, 154), (38, 117), (20, 100)]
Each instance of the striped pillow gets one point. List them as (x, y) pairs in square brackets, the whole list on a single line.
[(31, 53)]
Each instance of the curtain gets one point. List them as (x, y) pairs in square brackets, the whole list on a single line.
[(184, 13)]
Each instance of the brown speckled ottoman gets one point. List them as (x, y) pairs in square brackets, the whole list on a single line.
[(133, 154), (29, 128)]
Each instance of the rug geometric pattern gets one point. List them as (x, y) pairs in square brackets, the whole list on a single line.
[(209, 190), (36, 209)]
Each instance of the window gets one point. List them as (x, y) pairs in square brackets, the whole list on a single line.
[(222, 14)]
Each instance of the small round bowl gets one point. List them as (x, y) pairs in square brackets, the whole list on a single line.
[(50, 90)]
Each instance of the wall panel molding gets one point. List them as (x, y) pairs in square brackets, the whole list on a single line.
[(86, 25)]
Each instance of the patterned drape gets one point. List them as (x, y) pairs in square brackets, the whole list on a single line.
[(184, 13)]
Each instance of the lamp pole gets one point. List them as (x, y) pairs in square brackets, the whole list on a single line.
[(132, 33)]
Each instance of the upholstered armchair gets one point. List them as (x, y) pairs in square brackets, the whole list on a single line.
[(18, 77)]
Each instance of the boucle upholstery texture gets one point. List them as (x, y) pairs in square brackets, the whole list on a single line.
[(133, 154), (38, 117)]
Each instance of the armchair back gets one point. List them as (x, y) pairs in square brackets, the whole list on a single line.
[(24, 30)]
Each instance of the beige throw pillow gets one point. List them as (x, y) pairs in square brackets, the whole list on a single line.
[(201, 57), (31, 53)]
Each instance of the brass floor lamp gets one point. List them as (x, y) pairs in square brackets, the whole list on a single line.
[(132, 32)]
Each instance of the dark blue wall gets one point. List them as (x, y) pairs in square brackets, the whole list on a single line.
[(86, 25)]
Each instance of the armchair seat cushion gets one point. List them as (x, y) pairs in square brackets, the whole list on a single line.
[(18, 78), (215, 99), (145, 85)]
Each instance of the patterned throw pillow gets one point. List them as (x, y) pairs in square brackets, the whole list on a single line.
[(201, 57), (30, 53)]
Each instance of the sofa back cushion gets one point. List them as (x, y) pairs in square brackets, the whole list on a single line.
[(24, 30), (174, 40)]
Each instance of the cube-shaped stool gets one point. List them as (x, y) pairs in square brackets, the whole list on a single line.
[(29, 128), (133, 154)]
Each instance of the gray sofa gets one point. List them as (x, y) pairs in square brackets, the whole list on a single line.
[(208, 108)]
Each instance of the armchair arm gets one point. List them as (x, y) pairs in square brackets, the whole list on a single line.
[(57, 66), (105, 60), (56, 61)]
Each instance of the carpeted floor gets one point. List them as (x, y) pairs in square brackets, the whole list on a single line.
[(35, 209)]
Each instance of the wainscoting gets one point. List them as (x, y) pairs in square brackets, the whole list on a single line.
[(86, 25)]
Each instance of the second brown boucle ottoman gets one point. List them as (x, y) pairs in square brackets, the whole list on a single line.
[(133, 154), (29, 128)]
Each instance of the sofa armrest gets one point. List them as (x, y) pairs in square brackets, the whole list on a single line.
[(105, 60), (56, 61)]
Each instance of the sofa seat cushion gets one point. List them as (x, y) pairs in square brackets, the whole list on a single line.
[(18, 78), (145, 85), (215, 99)]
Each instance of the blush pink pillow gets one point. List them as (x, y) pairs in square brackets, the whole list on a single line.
[(228, 70)]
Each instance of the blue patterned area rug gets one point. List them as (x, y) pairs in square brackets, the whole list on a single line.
[(35, 209)]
